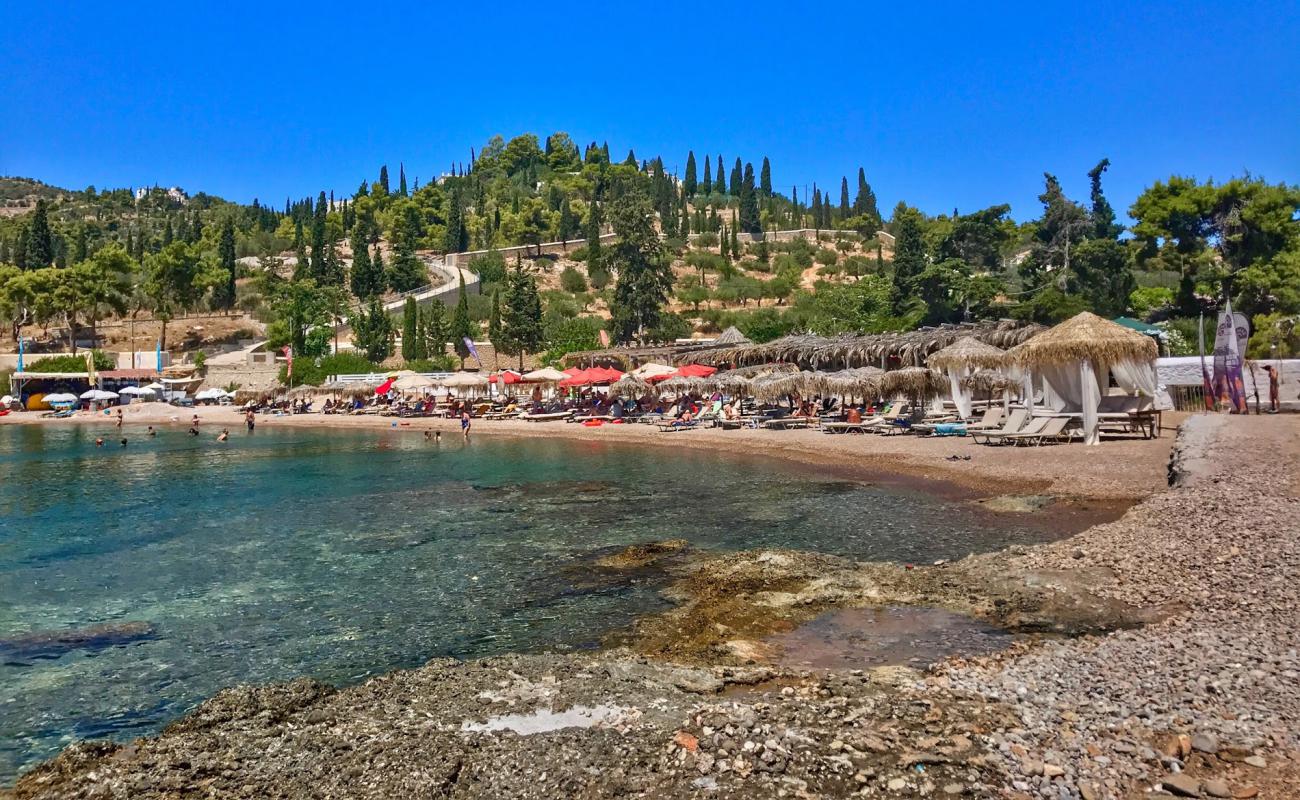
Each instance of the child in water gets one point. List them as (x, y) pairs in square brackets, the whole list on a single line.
[(223, 436)]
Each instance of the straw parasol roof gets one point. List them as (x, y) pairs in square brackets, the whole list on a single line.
[(731, 337), (861, 381), (302, 391), (544, 375), (361, 388), (776, 385), (988, 381), (629, 386), (458, 380), (966, 352), (683, 385), (912, 381), (871, 350), (1084, 335)]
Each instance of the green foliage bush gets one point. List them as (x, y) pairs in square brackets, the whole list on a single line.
[(707, 239), (573, 281), (69, 362), (490, 267), (315, 371), (826, 256), (442, 363), (1146, 300)]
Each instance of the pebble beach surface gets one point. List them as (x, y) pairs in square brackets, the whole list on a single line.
[(1202, 702)]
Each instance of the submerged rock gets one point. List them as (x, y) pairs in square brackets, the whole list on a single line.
[(52, 644)]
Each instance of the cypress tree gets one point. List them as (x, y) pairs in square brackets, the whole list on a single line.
[(20, 249), (494, 319), (381, 188), (765, 178), (909, 258), (593, 233), (735, 243), (410, 329), (724, 243), (844, 198), (706, 188), (319, 259), (366, 281), (737, 174), (568, 224), (435, 330), (521, 327), (689, 180), (684, 227), (750, 220), (720, 182), (461, 327), (630, 161), (401, 179), (224, 295)]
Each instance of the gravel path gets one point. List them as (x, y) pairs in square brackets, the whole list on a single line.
[(1224, 671)]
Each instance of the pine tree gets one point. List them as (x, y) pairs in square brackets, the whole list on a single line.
[(720, 182), (630, 161), (169, 233), (706, 187), (381, 188), (401, 179), (750, 220), (1103, 216), (462, 329), (737, 174), (410, 329), (372, 332), (224, 295), (765, 178), (645, 276), (844, 198), (689, 179), (407, 271)]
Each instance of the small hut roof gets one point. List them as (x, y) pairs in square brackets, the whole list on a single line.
[(966, 352), (912, 381), (682, 385), (731, 336), (1084, 335)]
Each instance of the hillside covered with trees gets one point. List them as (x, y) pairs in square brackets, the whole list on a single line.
[(691, 253)]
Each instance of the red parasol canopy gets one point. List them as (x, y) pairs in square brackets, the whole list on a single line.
[(596, 376), (694, 371), (385, 387), (507, 376)]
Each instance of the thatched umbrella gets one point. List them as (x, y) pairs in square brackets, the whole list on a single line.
[(1074, 358), (958, 360), (988, 381), (412, 383), (913, 382), (629, 386), (682, 385)]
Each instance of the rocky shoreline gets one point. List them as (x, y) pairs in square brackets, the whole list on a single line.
[(1173, 668)]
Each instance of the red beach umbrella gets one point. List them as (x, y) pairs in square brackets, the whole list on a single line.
[(694, 371), (385, 387)]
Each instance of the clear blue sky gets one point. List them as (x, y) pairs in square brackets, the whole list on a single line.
[(945, 105)]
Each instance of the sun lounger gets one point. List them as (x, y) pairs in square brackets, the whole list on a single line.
[(546, 416), (843, 427), (1033, 427), (990, 421), (677, 425), (781, 423), (1053, 429), (1014, 423)]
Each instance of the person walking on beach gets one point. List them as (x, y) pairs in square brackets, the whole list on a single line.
[(1274, 403), (119, 418), (464, 422), (250, 419), (194, 421)]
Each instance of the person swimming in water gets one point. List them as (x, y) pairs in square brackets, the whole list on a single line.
[(151, 432), (99, 441), (224, 435)]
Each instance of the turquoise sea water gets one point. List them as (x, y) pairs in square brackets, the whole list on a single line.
[(134, 582)]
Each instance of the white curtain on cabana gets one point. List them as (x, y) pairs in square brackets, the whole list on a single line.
[(1136, 376), (1090, 400), (960, 392), (1062, 387)]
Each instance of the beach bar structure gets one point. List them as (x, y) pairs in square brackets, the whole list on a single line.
[(30, 387)]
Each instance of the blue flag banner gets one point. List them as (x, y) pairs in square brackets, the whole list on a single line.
[(469, 345)]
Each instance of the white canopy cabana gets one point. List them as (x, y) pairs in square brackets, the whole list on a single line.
[(1077, 359), (959, 360)]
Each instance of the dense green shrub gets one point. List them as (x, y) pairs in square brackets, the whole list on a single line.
[(490, 267), (68, 362)]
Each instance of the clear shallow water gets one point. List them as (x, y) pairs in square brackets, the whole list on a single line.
[(136, 582)]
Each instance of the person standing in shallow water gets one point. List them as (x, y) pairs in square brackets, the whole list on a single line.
[(250, 419), (464, 422)]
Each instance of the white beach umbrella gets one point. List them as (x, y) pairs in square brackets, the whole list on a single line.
[(410, 383), (156, 386), (59, 398), (6, 400), (652, 370), (461, 380), (213, 393), (97, 395), (544, 375)]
